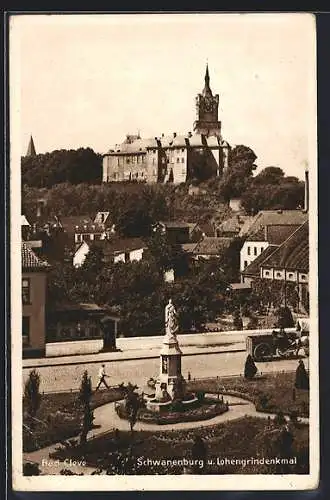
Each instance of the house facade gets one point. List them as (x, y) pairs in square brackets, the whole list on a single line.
[(114, 250), (172, 158), (34, 278), (269, 227), (289, 263)]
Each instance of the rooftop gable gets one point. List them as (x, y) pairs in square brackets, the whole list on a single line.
[(293, 253), (30, 261)]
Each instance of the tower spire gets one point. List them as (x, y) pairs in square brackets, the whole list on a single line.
[(207, 90), (31, 151)]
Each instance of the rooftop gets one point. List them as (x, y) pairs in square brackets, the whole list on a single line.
[(211, 245), (276, 218), (30, 261), (138, 145), (234, 224), (74, 223), (118, 245), (293, 253)]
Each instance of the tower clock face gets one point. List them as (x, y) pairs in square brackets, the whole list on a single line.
[(208, 105)]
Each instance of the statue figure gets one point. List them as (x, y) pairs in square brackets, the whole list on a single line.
[(171, 319)]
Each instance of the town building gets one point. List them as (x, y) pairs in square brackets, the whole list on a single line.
[(287, 263), (79, 228), (208, 248), (114, 250), (269, 227), (172, 158), (34, 276), (80, 328), (231, 228)]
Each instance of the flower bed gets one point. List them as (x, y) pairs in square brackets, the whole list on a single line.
[(176, 413), (241, 438), (59, 417), (271, 393)]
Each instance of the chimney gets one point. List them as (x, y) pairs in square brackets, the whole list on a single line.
[(306, 201)]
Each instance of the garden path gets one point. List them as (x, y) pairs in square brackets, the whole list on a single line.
[(107, 419)]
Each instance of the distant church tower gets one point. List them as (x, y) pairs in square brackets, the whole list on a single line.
[(31, 151), (207, 111)]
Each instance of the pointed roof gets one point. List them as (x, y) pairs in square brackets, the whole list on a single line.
[(207, 90), (30, 261), (31, 151)]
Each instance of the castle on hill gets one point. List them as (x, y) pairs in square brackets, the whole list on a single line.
[(174, 158)]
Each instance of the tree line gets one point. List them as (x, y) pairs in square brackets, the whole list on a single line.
[(71, 182)]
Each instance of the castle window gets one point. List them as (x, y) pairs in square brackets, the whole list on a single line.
[(178, 160), (290, 275), (182, 150), (255, 251), (182, 160), (127, 160), (278, 275), (249, 250)]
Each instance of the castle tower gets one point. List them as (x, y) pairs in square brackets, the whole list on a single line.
[(31, 151), (207, 106)]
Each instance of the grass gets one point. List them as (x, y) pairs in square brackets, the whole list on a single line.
[(239, 439), (271, 392), (59, 417)]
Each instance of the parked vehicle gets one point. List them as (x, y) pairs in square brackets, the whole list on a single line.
[(279, 343)]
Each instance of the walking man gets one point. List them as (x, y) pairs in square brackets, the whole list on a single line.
[(102, 376)]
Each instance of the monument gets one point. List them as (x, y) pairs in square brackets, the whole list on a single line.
[(170, 383)]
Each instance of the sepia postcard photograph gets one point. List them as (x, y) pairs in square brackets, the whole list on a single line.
[(163, 248)]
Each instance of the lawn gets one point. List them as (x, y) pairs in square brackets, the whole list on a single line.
[(245, 438), (59, 417), (271, 392)]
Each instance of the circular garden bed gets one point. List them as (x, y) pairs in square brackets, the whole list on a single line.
[(177, 412)]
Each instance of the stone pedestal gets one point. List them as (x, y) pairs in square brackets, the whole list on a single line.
[(170, 380)]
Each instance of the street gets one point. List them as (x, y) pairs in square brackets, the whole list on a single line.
[(138, 371)]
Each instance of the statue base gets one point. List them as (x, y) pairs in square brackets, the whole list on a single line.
[(170, 388)]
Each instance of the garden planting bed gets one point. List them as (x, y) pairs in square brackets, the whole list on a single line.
[(271, 392), (204, 410), (59, 417), (126, 453)]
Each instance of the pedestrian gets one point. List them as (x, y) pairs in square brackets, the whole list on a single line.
[(102, 377)]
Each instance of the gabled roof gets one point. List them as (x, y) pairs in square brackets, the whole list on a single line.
[(118, 245), (136, 146), (234, 224), (30, 261), (254, 268), (293, 253), (277, 218), (206, 228), (80, 223), (24, 221), (212, 246)]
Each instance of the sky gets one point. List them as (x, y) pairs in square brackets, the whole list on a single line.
[(88, 80)]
